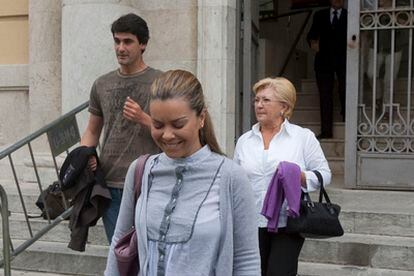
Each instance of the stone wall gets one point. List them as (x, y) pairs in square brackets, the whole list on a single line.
[(70, 45), (194, 35), (14, 103)]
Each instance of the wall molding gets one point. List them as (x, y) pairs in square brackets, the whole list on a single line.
[(14, 77), (14, 88)]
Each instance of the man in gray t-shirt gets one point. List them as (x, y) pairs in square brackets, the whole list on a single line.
[(118, 106)]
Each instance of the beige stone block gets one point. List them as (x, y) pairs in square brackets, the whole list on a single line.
[(10, 8), (84, 59), (14, 118), (45, 36), (187, 3), (219, 92), (161, 4), (218, 3), (165, 65), (16, 75), (154, 5), (173, 34), (230, 90), (14, 32), (228, 140), (216, 33), (45, 6), (66, 3), (45, 93)]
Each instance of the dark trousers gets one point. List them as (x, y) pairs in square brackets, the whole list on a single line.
[(279, 252), (325, 81)]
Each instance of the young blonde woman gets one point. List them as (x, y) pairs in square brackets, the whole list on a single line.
[(195, 215), (259, 151)]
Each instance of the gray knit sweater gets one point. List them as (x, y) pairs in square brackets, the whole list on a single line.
[(237, 252)]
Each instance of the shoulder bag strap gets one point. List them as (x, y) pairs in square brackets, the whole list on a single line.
[(322, 191), (139, 171)]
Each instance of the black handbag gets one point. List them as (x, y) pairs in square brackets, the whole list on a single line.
[(54, 201), (316, 220)]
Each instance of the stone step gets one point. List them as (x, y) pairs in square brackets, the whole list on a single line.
[(15, 272), (338, 128), (309, 86), (30, 193), (375, 251), (333, 147), (18, 224), (376, 223), (311, 99), (371, 201), (356, 217), (312, 114), (61, 233), (24, 166), (336, 164), (45, 166), (373, 212), (55, 257), (319, 269)]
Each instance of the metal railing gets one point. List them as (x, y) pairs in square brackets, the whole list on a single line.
[(269, 15), (62, 134)]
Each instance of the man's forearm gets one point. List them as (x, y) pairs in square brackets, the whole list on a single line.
[(90, 140), (146, 120)]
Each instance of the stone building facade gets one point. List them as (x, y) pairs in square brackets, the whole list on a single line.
[(57, 48)]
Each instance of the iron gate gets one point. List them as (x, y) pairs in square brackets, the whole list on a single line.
[(380, 124)]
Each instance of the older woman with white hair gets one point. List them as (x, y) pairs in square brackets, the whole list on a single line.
[(271, 140)]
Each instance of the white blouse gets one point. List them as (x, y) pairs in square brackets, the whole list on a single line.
[(292, 143)]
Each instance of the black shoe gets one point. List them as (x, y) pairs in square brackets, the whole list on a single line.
[(324, 136)]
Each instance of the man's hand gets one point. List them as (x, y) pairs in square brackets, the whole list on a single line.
[(314, 44), (92, 163), (133, 112)]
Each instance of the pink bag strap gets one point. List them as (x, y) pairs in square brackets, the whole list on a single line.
[(139, 171)]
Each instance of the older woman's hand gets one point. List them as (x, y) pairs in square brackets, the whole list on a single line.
[(303, 179)]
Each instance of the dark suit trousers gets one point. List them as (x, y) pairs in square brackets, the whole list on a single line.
[(325, 81), (279, 252)]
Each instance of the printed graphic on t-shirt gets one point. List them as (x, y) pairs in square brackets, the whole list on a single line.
[(123, 140)]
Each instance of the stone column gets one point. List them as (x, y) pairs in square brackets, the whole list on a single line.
[(44, 84), (44, 62), (87, 45), (216, 65)]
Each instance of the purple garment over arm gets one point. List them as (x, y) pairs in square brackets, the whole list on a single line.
[(285, 183)]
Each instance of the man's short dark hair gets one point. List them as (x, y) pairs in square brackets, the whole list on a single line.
[(131, 23)]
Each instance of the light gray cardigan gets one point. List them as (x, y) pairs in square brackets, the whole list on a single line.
[(238, 249)]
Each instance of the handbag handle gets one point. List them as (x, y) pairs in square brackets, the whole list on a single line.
[(139, 171), (322, 191)]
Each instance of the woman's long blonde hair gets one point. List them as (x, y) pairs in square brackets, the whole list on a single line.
[(182, 84)]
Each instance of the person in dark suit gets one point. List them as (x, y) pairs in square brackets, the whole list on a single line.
[(327, 37)]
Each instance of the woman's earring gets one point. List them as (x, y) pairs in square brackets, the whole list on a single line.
[(281, 113)]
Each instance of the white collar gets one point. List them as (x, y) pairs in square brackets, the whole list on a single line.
[(286, 127), (339, 11)]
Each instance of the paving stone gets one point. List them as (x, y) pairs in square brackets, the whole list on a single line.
[(376, 251), (319, 269)]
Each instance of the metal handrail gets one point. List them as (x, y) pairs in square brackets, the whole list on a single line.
[(8, 252), (6, 232), (41, 131), (267, 15), (295, 42)]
